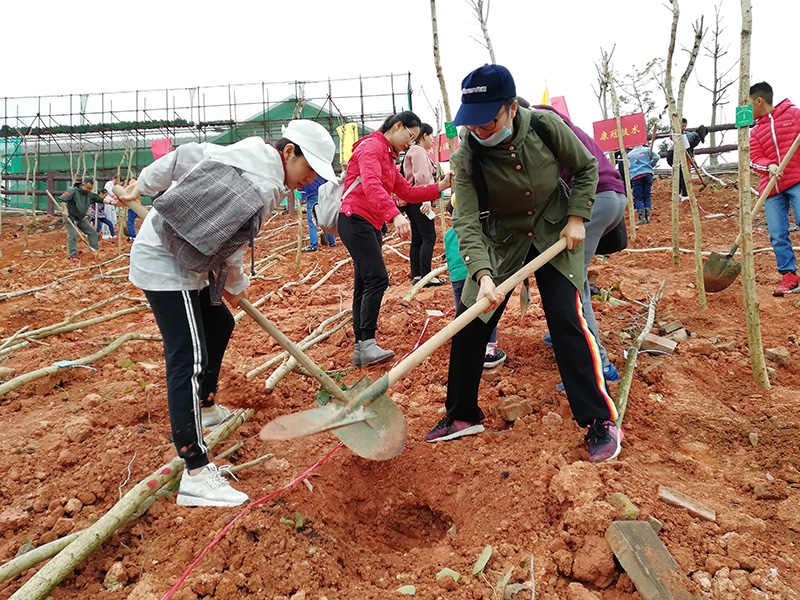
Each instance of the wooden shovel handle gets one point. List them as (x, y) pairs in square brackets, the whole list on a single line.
[(424, 351), (81, 235), (763, 198), (136, 207), (292, 348)]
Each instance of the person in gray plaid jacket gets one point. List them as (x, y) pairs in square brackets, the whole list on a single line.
[(195, 331)]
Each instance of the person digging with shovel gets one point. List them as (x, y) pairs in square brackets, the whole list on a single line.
[(511, 207), (775, 130), (210, 187), (75, 203)]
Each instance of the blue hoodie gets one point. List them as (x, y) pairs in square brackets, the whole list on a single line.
[(642, 161)]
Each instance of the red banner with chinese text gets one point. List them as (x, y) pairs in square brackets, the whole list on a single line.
[(634, 132), (444, 150)]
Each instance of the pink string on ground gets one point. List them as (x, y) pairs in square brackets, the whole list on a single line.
[(227, 528), (131, 326), (419, 339)]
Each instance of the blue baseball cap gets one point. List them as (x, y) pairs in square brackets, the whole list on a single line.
[(483, 92)]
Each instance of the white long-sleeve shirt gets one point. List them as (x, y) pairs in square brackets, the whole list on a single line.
[(153, 267)]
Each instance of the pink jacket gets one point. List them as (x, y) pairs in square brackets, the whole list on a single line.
[(418, 166), (373, 160), (770, 139)]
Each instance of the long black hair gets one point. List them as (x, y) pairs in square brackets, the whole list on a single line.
[(407, 118)]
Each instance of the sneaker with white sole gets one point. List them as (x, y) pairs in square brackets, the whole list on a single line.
[(215, 415), (446, 430), (605, 440), (208, 488), (494, 358)]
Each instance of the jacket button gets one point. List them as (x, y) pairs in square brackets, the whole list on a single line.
[(527, 193), (530, 212), (589, 203), (511, 147), (519, 167), (513, 155), (530, 234), (570, 275)]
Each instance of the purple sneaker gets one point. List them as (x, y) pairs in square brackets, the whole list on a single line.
[(449, 430), (604, 439)]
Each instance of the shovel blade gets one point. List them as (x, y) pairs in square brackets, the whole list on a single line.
[(720, 271), (379, 438), (377, 431), (315, 420)]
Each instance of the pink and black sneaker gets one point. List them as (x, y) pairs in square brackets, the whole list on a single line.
[(604, 439), (449, 430)]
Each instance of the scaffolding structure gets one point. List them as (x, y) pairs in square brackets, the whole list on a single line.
[(65, 137)]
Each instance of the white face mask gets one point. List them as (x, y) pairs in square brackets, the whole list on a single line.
[(498, 136)]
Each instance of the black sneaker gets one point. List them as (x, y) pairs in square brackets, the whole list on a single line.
[(604, 439), (494, 358), (310, 249)]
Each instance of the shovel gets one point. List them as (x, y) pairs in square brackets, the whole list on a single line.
[(136, 207), (722, 270), (81, 235), (360, 401), (375, 430)]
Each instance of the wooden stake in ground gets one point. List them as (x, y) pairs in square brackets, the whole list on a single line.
[(298, 209), (25, 202), (754, 344)]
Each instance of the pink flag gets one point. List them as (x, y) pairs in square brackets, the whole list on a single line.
[(560, 104), (161, 148)]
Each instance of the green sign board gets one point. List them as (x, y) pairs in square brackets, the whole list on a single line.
[(450, 131), (744, 115)]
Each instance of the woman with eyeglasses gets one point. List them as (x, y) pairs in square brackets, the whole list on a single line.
[(372, 178), (511, 207)]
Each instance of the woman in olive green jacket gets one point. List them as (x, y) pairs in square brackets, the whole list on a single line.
[(527, 208)]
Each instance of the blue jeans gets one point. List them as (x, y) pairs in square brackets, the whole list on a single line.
[(776, 208), (131, 224), (641, 187), (311, 202), (100, 221)]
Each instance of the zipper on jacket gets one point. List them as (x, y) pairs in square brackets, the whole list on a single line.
[(777, 150)]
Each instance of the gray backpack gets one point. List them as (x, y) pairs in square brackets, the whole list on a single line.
[(207, 217)]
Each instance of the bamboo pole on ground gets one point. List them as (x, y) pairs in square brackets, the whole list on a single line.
[(50, 575), (621, 399), (423, 282), (8, 295), (20, 380), (751, 310)]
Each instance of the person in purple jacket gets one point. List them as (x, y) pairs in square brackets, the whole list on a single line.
[(609, 207)]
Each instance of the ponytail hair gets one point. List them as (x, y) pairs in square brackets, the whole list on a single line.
[(407, 118), (424, 129)]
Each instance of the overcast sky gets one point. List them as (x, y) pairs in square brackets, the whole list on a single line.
[(93, 46)]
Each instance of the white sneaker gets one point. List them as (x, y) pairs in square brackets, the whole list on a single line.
[(216, 416), (208, 488)]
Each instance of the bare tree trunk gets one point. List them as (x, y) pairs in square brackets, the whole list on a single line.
[(675, 110), (33, 184), (25, 201), (437, 61), (1, 200), (606, 59), (700, 284), (483, 17), (754, 344)]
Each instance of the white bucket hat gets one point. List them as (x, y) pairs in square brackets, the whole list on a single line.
[(316, 144)]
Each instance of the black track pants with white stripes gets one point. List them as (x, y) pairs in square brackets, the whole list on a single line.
[(195, 335)]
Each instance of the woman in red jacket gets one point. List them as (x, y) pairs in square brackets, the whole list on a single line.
[(365, 209)]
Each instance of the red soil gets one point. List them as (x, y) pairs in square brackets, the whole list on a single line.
[(370, 527)]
